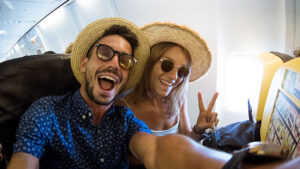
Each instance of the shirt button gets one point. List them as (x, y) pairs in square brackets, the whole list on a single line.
[(102, 160), (89, 114), (83, 116)]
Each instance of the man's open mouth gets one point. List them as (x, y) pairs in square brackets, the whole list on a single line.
[(106, 82)]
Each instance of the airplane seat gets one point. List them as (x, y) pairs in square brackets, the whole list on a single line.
[(281, 116), (284, 57), (271, 61), (24, 80)]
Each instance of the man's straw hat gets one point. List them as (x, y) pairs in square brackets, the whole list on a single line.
[(92, 32)]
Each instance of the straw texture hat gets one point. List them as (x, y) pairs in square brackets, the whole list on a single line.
[(169, 32), (92, 32)]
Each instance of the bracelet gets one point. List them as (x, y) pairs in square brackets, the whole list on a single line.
[(197, 131)]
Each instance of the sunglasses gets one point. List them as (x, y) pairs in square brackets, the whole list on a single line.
[(168, 65), (106, 53)]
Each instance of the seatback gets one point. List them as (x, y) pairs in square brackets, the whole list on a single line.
[(281, 117), (271, 61), (24, 80)]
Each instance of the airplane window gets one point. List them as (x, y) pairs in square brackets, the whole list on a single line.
[(242, 81)]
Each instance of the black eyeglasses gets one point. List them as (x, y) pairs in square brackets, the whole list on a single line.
[(168, 65), (106, 53)]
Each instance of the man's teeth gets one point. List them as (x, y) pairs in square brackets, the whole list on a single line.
[(166, 82), (109, 78)]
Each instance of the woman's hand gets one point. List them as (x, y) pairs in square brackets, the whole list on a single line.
[(206, 118)]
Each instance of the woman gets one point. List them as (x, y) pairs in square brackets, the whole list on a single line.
[(178, 55)]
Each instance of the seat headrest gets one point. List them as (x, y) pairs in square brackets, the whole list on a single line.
[(25, 79)]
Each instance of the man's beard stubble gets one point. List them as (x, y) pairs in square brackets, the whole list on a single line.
[(89, 89)]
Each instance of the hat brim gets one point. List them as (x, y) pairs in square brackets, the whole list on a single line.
[(168, 32), (92, 32)]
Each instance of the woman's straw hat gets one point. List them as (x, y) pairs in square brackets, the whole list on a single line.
[(169, 32)]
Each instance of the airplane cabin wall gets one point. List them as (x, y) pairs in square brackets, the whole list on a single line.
[(296, 7), (62, 26), (251, 27), (292, 26)]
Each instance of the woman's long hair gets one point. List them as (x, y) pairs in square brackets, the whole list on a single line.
[(144, 90)]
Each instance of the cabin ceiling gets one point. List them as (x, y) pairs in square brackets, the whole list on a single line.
[(19, 16)]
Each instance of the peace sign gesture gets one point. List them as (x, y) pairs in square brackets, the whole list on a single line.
[(206, 118)]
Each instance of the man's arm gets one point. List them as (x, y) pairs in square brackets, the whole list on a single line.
[(180, 152), (22, 160), (175, 151)]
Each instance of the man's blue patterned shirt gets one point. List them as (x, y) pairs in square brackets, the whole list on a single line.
[(58, 130)]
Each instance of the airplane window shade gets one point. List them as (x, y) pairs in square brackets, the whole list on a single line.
[(242, 82)]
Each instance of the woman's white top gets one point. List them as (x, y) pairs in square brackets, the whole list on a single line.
[(173, 130)]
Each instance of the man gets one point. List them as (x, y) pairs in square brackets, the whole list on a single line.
[(85, 129)]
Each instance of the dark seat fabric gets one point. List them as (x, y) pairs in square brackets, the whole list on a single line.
[(24, 80)]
